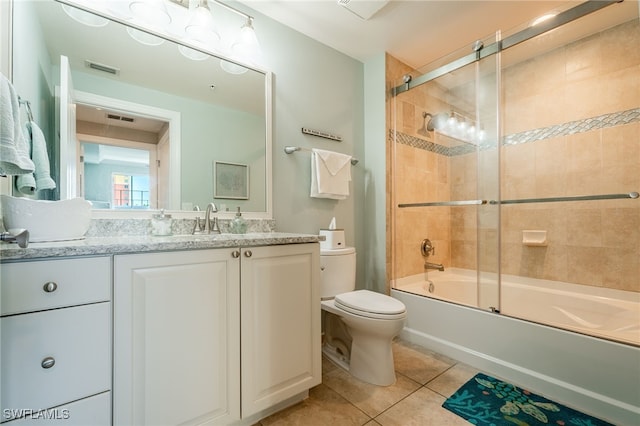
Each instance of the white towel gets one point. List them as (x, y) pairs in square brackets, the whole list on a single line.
[(41, 179), (330, 174), (14, 150)]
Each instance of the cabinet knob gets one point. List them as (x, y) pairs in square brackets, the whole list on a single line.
[(50, 287), (48, 362), (247, 253), (235, 254)]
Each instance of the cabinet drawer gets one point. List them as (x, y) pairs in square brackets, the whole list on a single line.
[(77, 339), (77, 281), (94, 411)]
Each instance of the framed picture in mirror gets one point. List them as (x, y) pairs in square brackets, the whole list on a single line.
[(230, 180)]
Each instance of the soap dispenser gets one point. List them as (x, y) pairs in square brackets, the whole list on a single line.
[(238, 224), (161, 224)]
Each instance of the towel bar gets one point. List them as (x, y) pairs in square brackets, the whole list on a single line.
[(292, 149)]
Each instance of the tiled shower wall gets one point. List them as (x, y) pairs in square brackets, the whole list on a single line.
[(572, 117), (572, 120)]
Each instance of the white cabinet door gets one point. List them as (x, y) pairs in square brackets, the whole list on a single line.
[(280, 320), (176, 338)]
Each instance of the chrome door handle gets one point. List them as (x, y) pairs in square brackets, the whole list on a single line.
[(247, 253), (50, 287), (235, 254)]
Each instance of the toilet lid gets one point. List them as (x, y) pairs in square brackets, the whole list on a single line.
[(370, 304)]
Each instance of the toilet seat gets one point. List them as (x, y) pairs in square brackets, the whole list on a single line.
[(370, 304)]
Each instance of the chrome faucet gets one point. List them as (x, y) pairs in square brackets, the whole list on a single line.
[(21, 237), (210, 227)]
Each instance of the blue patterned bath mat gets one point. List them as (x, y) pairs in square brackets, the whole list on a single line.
[(485, 400)]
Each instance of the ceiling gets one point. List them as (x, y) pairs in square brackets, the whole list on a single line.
[(415, 32)]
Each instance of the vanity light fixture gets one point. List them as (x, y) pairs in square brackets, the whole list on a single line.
[(200, 30), (458, 126), (153, 12), (246, 46), (201, 26), (83, 17)]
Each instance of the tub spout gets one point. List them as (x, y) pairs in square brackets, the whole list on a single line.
[(429, 265)]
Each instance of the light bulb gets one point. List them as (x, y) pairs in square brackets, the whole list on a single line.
[(451, 122), (201, 26), (153, 12)]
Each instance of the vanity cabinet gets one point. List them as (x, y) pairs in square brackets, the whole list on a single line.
[(56, 341), (214, 336), (280, 324), (177, 338)]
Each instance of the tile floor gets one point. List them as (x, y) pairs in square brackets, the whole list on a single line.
[(424, 381)]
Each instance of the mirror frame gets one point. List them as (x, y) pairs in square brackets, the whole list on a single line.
[(268, 79)]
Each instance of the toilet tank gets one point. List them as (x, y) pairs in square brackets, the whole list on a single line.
[(338, 271)]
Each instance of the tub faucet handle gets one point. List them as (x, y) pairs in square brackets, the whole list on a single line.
[(426, 248)]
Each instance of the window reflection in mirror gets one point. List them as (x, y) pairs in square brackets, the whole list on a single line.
[(134, 148), (118, 177), (222, 117)]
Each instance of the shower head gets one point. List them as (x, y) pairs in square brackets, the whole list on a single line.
[(424, 130)]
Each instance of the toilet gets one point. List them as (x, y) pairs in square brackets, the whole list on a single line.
[(358, 325)]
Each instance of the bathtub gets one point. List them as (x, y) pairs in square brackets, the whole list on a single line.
[(601, 312), (563, 360)]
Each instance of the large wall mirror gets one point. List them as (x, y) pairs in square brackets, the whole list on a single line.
[(135, 121)]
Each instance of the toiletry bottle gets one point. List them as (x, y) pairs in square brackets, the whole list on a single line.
[(161, 224), (238, 224)]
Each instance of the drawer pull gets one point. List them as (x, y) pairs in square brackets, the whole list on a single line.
[(235, 254), (248, 253), (48, 362), (50, 287)]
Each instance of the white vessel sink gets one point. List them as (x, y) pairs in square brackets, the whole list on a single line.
[(47, 220)]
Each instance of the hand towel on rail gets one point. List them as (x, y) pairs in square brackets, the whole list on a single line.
[(330, 174), (41, 178), (14, 149)]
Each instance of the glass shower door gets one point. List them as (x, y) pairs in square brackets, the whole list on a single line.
[(445, 171)]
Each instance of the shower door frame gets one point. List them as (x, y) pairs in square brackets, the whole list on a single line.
[(479, 53)]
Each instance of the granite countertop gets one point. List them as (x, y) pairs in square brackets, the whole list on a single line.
[(93, 246)]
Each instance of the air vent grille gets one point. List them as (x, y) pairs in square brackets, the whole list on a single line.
[(102, 67), (116, 117)]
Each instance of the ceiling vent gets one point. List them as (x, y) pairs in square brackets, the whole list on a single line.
[(364, 9), (120, 118), (102, 67)]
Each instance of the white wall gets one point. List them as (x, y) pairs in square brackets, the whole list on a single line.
[(317, 87)]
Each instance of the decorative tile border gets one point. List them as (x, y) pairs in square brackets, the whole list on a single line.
[(419, 143), (570, 128)]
